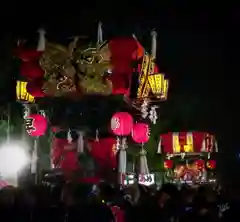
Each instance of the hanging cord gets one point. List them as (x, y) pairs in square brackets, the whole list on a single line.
[(69, 136), (35, 157), (80, 142), (97, 135), (34, 160), (26, 113)]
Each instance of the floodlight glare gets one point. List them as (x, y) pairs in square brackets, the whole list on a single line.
[(13, 158)]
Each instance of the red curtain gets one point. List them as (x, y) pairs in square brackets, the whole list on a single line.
[(90, 180), (31, 70), (63, 157), (198, 140), (103, 151), (27, 55), (167, 143), (122, 50)]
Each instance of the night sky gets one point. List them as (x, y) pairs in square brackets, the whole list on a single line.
[(197, 49)]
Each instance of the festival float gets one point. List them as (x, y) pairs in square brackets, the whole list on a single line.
[(88, 96), (189, 157)]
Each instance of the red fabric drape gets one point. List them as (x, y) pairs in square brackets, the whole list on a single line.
[(122, 50), (90, 180), (103, 152), (27, 55), (31, 70), (198, 140), (118, 213), (35, 88), (67, 160), (167, 143)]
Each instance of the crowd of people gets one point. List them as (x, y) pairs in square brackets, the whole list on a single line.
[(100, 203)]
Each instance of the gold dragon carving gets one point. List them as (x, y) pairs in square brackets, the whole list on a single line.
[(76, 69)]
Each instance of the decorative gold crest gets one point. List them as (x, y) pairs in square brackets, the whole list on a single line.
[(76, 69)]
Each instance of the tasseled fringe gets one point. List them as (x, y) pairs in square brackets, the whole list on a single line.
[(69, 136), (122, 162), (80, 142), (143, 168)]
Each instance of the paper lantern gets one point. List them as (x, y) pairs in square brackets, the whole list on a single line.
[(22, 93), (36, 124), (121, 123), (199, 164), (211, 164), (31, 70), (168, 164), (140, 133)]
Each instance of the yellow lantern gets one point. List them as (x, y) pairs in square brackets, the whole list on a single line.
[(188, 148), (156, 82), (22, 94), (165, 89)]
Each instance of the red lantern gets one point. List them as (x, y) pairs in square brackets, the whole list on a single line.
[(121, 124), (36, 124), (168, 164), (211, 164), (199, 164), (140, 133), (31, 70)]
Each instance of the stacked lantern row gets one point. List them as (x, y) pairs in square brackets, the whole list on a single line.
[(187, 142), (199, 164), (103, 150), (122, 125), (31, 73), (122, 53)]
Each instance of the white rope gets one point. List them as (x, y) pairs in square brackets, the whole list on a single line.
[(100, 33), (69, 136), (41, 41), (154, 44)]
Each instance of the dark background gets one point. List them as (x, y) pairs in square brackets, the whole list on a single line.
[(197, 49)]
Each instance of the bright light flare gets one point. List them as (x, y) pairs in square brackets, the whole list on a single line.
[(13, 158)]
